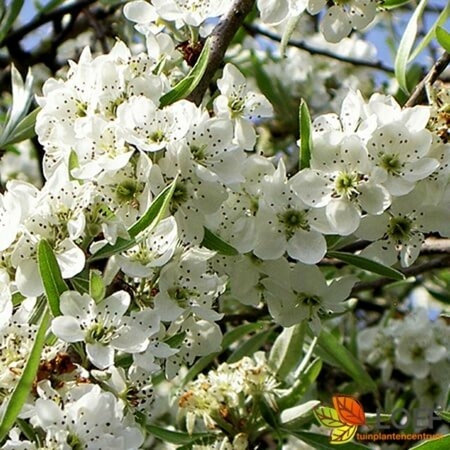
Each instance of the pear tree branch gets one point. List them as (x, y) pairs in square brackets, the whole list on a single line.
[(220, 38), (378, 65), (434, 73)]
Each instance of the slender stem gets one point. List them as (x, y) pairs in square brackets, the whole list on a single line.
[(378, 65), (438, 67), (441, 261), (431, 246), (220, 38), (42, 19)]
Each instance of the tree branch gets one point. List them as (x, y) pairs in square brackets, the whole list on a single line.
[(378, 65), (436, 263), (438, 67), (220, 38), (432, 245), (42, 19)]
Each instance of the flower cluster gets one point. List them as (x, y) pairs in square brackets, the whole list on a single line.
[(225, 398), (370, 171), (338, 21), (313, 78), (143, 191), (340, 18), (87, 418), (416, 346)]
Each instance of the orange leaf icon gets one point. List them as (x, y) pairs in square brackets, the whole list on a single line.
[(349, 409)]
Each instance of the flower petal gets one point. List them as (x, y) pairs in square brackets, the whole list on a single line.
[(67, 328), (102, 356), (308, 247)]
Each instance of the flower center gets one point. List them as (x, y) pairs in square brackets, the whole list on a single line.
[(74, 442), (399, 228), (140, 253), (157, 137), (391, 163), (180, 196), (346, 184), (99, 333), (308, 300), (293, 220), (198, 152), (181, 296), (127, 191), (96, 215), (81, 109), (236, 106), (418, 353)]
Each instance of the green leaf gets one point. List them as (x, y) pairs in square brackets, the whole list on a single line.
[(391, 4), (305, 135), (375, 418), (176, 437), (230, 338), (80, 281), (432, 33), (263, 81), (148, 221), (444, 414), (299, 415), (288, 32), (321, 442), (54, 285), (337, 354), (74, 163), (306, 379), (305, 361), (287, 350), (367, 264), (406, 44), (24, 129), (97, 288), (12, 11), (26, 429), (190, 82), (443, 37), (435, 444), (22, 94), (214, 242), (268, 414), (274, 92), (25, 384), (250, 346), (441, 296), (156, 211), (175, 340), (17, 298)]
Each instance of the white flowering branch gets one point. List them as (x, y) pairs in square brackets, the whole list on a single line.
[(220, 38)]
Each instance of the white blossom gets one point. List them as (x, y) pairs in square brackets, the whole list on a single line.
[(306, 296), (240, 104), (103, 326)]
